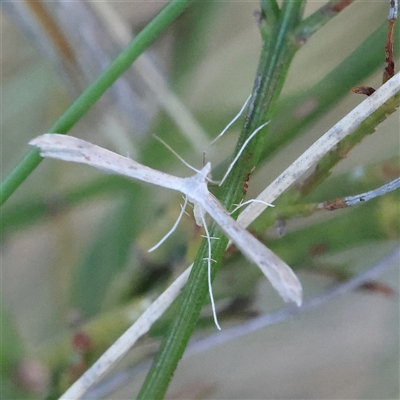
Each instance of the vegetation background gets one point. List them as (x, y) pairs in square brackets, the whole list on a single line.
[(348, 348)]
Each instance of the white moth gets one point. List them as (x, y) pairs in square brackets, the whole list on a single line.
[(158, 307), (69, 148)]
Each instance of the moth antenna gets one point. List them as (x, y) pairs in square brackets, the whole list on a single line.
[(176, 154)]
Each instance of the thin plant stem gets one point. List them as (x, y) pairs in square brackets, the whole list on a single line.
[(93, 93), (359, 198), (334, 156), (273, 66), (311, 24)]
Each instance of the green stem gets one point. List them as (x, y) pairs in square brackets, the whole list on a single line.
[(273, 65), (93, 93), (270, 9), (270, 13), (324, 167), (319, 18)]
